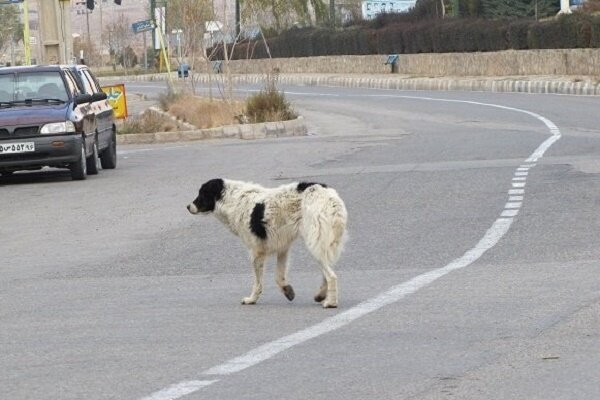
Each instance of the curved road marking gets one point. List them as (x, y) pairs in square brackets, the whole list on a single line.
[(498, 229)]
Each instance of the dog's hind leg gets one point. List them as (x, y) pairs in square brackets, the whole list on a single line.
[(331, 297), (322, 292), (281, 276), (258, 262)]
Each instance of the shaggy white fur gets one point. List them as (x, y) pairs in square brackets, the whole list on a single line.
[(268, 220)]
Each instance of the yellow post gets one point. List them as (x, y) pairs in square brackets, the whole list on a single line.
[(164, 53), (26, 33)]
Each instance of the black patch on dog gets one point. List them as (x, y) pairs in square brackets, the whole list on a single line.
[(210, 192), (302, 186), (257, 225)]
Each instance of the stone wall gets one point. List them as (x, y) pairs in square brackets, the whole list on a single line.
[(573, 62)]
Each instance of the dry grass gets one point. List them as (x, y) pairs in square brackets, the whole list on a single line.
[(147, 122), (266, 106), (204, 113)]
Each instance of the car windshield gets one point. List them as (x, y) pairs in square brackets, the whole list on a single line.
[(31, 85)]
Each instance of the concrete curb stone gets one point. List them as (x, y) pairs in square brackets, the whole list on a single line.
[(586, 86), (294, 127)]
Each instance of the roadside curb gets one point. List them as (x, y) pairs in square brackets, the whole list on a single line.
[(543, 85), (265, 130)]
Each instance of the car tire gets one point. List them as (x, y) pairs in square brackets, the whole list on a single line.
[(108, 159), (92, 162), (79, 167)]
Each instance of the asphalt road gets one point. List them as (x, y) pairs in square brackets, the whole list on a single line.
[(453, 284)]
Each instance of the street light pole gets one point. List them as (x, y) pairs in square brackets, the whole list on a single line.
[(177, 33), (12, 47)]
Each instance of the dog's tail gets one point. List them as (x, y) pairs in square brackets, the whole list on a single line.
[(324, 219)]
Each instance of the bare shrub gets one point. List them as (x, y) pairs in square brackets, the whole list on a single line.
[(269, 105), (166, 99)]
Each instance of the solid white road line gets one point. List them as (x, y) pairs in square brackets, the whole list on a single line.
[(268, 350), (396, 293)]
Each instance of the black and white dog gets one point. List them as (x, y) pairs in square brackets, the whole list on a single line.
[(268, 220)]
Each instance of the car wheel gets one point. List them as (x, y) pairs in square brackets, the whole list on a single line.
[(92, 162), (79, 167), (108, 159)]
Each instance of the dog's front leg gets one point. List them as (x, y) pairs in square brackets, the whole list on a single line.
[(281, 276), (258, 262)]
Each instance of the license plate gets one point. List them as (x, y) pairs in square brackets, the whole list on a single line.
[(11, 148)]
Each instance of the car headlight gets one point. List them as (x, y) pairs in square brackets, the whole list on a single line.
[(58, 127)]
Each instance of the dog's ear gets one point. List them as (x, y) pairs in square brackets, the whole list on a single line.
[(210, 192), (302, 186)]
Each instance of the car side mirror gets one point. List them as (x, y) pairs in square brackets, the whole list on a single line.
[(99, 96), (82, 98)]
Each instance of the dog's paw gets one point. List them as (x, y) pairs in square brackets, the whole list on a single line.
[(248, 300), (328, 304), (289, 293), (319, 297)]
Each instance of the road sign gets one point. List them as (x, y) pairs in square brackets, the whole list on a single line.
[(117, 99), (142, 26)]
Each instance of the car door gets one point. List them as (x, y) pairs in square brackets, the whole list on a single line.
[(102, 109), (82, 111)]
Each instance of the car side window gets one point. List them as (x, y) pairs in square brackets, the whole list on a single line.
[(87, 86), (92, 81), (7, 87), (71, 84)]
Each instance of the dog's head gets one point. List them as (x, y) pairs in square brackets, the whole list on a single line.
[(210, 193)]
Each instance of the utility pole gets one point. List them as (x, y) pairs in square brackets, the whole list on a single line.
[(101, 38), (237, 18), (152, 8), (26, 43), (89, 37), (12, 47)]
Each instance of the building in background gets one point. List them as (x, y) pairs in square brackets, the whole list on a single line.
[(372, 8)]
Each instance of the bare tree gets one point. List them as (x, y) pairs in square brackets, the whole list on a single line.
[(119, 35), (91, 55), (283, 14), (191, 17), (11, 31)]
